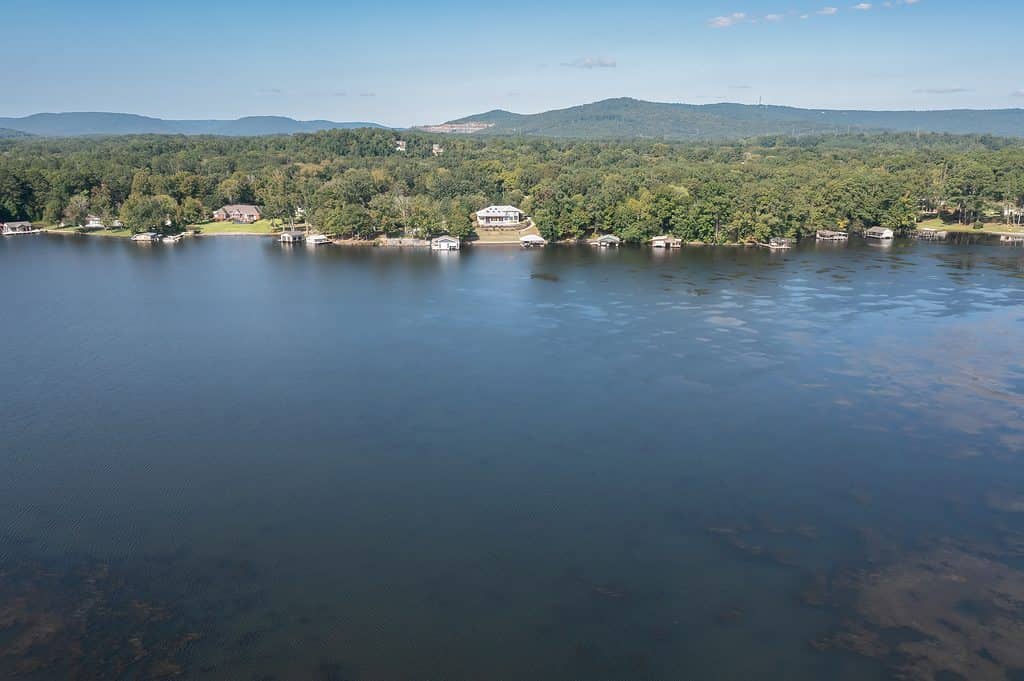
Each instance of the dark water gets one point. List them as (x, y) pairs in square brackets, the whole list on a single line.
[(241, 461)]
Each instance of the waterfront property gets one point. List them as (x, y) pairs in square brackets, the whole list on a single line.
[(93, 222), (146, 238), (318, 239), (665, 241), (778, 243), (241, 213), (18, 227), (831, 235), (606, 241), (532, 241), (445, 243), (292, 236), (499, 216), (172, 238), (880, 233)]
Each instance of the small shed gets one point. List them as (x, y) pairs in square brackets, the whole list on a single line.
[(881, 233), (146, 238), (292, 236), (318, 239), (665, 241), (531, 241), (606, 241), (445, 243)]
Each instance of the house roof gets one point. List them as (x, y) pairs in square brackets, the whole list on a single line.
[(240, 207), (608, 237), (446, 237), (498, 210), (293, 232), (19, 223), (532, 238)]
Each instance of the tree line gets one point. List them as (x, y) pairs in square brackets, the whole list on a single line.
[(355, 183)]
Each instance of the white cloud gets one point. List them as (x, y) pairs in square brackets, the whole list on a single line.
[(863, 6), (773, 17), (591, 63), (828, 11), (727, 20)]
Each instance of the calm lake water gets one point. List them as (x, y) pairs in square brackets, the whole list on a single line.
[(237, 460)]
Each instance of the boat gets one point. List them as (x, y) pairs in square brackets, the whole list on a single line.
[(317, 239)]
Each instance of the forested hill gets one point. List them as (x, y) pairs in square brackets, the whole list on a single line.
[(97, 123), (626, 118), (355, 183)]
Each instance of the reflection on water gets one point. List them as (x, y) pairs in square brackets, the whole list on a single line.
[(228, 459)]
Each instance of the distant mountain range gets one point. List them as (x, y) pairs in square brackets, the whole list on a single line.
[(631, 118), (622, 118), (90, 123)]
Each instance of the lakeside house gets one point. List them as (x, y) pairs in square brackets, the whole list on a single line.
[(93, 222), (880, 233), (606, 241), (665, 241), (531, 241), (318, 239), (173, 238), (240, 213), (292, 236), (146, 238), (445, 243), (17, 227), (831, 235), (499, 216)]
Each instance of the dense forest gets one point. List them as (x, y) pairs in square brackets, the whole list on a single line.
[(355, 183)]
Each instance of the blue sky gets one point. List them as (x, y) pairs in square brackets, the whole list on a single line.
[(405, 62)]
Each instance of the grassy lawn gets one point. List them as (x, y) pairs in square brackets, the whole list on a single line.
[(258, 227), (116, 233), (989, 228)]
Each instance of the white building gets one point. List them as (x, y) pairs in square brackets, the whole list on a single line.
[(531, 241), (444, 243), (19, 227), (499, 216), (881, 233), (93, 222)]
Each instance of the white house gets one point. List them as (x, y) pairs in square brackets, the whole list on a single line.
[(93, 222), (444, 243), (883, 233), (499, 216), (146, 238)]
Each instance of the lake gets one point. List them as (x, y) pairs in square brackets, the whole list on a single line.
[(230, 459)]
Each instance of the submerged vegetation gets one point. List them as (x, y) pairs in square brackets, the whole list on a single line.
[(357, 183)]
